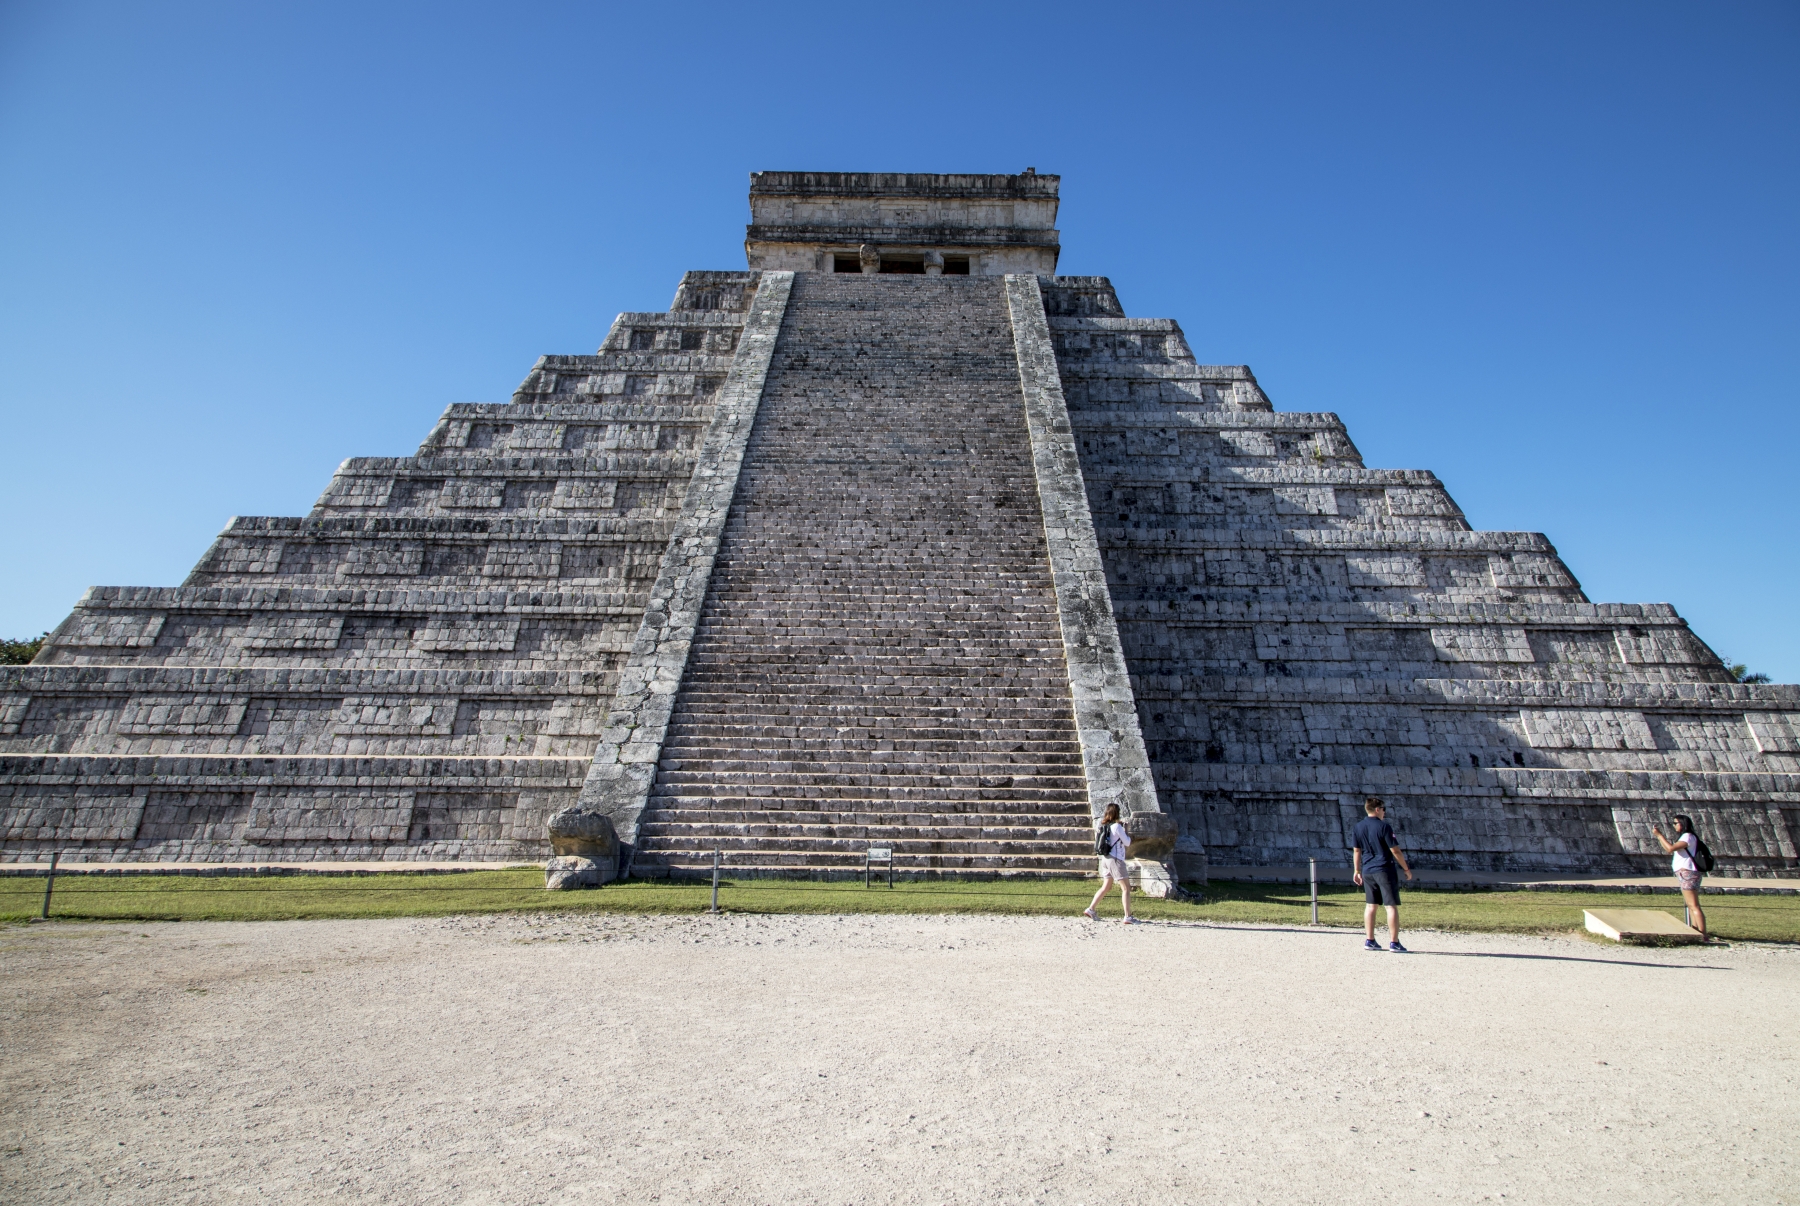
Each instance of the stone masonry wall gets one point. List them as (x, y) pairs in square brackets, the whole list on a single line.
[(420, 668), (1303, 631)]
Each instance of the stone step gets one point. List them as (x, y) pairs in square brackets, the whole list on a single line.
[(880, 703), (880, 640), (993, 756), (737, 755), (730, 787), (1073, 822), (946, 855), (995, 759), (744, 870), (806, 864), (677, 774), (845, 839), (920, 713), (725, 664), (775, 734)]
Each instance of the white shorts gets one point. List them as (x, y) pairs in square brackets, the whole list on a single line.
[(1114, 868)]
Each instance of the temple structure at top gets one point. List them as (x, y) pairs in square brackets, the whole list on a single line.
[(905, 224), (894, 538)]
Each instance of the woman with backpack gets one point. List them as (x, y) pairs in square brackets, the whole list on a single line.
[(1110, 844), (1690, 852)]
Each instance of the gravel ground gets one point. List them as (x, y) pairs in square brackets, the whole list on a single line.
[(885, 1059)]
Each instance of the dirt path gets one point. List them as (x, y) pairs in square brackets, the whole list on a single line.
[(885, 1059)]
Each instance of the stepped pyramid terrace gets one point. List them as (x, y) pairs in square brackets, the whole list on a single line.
[(894, 538)]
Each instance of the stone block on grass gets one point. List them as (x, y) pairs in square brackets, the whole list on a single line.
[(1639, 925), (564, 873), (580, 833)]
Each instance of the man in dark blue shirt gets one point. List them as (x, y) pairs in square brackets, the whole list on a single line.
[(1375, 850)]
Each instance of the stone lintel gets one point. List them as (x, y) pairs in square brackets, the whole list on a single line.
[(624, 767), (965, 185), (1113, 756)]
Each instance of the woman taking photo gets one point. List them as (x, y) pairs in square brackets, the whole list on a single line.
[(1686, 849), (1113, 839)]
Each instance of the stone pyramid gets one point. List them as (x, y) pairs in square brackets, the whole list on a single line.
[(895, 539)]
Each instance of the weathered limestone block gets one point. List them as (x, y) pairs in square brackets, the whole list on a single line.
[(230, 555), (13, 707), (181, 715), (1153, 836), (399, 559), (1663, 644), (357, 815), (1480, 643), (590, 494), (478, 492), (519, 560), (571, 871), (1586, 729), (467, 634), (110, 630), (31, 813), (1190, 860), (1775, 732), (294, 632), (349, 491), (580, 833), (1152, 878), (381, 716)]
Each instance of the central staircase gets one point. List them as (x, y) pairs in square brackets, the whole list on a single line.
[(879, 661)]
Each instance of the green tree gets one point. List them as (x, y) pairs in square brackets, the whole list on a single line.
[(17, 653), (1741, 673)]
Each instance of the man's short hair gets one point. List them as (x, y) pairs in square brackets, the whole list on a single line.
[(1371, 804)]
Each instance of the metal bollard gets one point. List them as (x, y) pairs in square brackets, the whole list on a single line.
[(716, 856), (49, 883), (1312, 875)]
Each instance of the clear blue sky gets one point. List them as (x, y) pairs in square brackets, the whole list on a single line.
[(1546, 250)]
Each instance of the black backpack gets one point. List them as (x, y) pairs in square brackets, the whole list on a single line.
[(1703, 858), (1103, 842)]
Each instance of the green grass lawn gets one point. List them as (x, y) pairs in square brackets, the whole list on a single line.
[(265, 898)]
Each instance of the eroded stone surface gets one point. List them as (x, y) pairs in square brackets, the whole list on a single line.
[(567, 871)]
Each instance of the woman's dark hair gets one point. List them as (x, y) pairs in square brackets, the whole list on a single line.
[(1112, 814), (1684, 823)]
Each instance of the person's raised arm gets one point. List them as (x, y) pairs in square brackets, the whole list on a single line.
[(1667, 845)]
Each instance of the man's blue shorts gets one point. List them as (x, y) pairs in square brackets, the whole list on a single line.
[(1382, 886)]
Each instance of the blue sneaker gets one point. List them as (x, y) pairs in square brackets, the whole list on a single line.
[(1398, 949), (1369, 944)]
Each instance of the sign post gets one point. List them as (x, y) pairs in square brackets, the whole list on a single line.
[(49, 883), (878, 854)]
